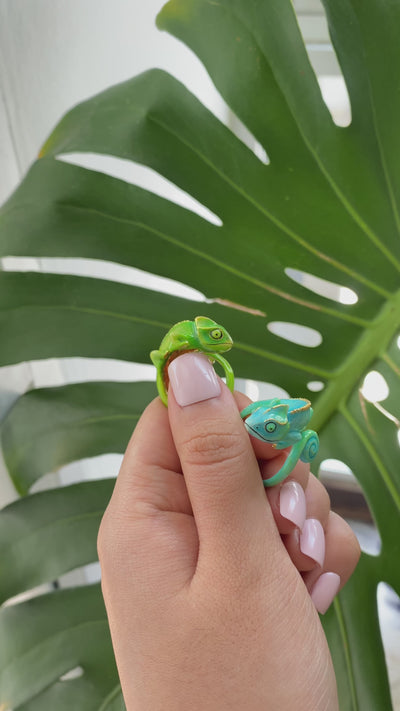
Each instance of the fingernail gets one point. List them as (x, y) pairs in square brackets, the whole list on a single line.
[(312, 540), (193, 379), (292, 503), (324, 590)]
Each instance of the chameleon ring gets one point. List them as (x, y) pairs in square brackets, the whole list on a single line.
[(283, 423), (203, 335)]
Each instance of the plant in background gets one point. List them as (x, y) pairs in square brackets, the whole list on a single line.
[(327, 204)]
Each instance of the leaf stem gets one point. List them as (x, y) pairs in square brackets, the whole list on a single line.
[(111, 696), (373, 454), (282, 359), (227, 267), (371, 345), (354, 214), (346, 648), (376, 126), (275, 220), (388, 360)]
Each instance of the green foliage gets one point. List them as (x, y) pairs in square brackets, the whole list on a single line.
[(326, 204)]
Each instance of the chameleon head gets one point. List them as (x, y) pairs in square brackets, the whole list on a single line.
[(213, 338), (269, 425)]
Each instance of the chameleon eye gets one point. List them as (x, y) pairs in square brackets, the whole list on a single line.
[(216, 334), (270, 426)]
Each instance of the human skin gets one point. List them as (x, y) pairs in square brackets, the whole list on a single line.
[(206, 584)]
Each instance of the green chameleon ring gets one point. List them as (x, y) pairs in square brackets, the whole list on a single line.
[(203, 335), (283, 422)]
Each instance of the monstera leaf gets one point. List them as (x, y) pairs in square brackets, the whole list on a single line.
[(325, 203)]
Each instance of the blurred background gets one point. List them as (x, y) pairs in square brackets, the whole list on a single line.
[(56, 53)]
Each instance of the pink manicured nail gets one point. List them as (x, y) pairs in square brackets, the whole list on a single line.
[(193, 379), (292, 503), (312, 540), (324, 590)]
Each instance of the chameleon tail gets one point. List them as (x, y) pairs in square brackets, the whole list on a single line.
[(311, 446), (305, 450)]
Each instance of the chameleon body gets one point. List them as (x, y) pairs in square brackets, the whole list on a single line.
[(283, 423), (203, 335)]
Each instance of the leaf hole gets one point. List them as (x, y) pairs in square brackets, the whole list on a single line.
[(257, 390), (74, 673), (323, 287), (315, 386), (243, 134), (100, 269), (82, 575), (142, 176), (374, 387), (321, 53), (348, 500), (336, 97), (295, 333), (101, 466), (389, 623)]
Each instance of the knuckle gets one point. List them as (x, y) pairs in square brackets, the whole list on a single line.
[(212, 448)]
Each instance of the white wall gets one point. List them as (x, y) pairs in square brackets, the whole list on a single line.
[(55, 53)]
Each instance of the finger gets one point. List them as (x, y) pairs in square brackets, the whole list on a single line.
[(287, 500), (148, 526), (150, 473), (306, 547), (341, 557), (317, 501), (218, 462)]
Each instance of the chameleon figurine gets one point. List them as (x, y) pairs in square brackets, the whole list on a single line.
[(283, 422), (203, 335)]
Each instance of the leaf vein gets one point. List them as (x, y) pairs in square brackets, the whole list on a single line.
[(347, 655), (373, 454), (345, 202), (222, 265), (272, 218)]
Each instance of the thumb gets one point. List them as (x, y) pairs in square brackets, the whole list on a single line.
[(221, 472)]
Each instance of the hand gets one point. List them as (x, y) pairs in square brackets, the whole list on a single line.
[(206, 576)]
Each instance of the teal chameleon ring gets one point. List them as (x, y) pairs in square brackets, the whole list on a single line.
[(282, 423)]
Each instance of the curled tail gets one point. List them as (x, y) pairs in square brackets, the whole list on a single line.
[(305, 450), (311, 446)]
